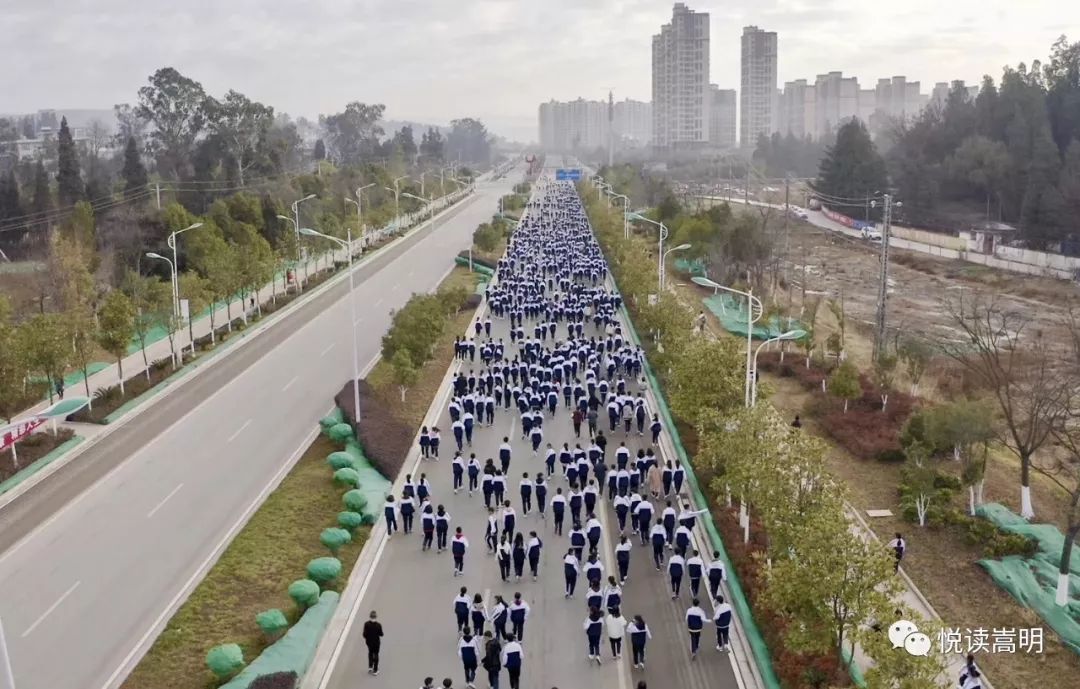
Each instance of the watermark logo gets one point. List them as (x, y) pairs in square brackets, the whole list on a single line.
[(996, 640), (904, 634)]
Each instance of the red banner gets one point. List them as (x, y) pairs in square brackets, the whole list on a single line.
[(837, 217), (17, 431)]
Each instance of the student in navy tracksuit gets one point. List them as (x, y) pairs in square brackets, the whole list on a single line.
[(716, 575), (533, 548), (622, 557), (593, 529), (526, 487), (504, 454), (509, 518), (519, 555), (644, 512), (500, 613), (458, 547), (461, 609), (570, 572), (695, 622), (457, 465), (558, 509), (519, 611), (469, 653), (503, 555), (658, 538), (442, 526), (512, 657), (594, 596), (407, 507), (540, 487), (639, 635), (722, 617), (427, 526), (473, 469), (425, 442), (478, 613), (594, 627), (577, 540), (676, 565), (390, 510), (655, 428)]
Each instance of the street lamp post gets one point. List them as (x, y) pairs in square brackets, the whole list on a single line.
[(626, 209), (660, 252), (397, 204), (176, 262), (789, 335), (430, 204), (359, 202), (754, 312), (172, 274), (663, 263), (308, 232), (296, 229)]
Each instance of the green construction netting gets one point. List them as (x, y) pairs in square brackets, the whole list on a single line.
[(1033, 581), (732, 314), (294, 651), (373, 485), (693, 267)]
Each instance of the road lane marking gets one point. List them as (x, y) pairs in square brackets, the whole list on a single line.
[(289, 384), (379, 301), (238, 431), (52, 607), (327, 350), (164, 500), (358, 321)]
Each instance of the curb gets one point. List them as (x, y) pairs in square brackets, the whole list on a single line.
[(31, 469)]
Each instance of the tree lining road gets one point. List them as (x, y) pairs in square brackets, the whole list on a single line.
[(101, 573)]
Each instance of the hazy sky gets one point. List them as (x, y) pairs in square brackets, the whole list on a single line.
[(433, 60)]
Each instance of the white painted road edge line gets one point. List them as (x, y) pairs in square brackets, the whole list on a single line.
[(289, 384), (164, 500), (147, 638), (238, 431), (52, 607), (327, 350)]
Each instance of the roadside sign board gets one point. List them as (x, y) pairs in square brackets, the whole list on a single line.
[(13, 433), (569, 174)]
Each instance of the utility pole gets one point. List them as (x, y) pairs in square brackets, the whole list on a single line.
[(157, 188), (746, 188), (610, 129), (787, 232), (883, 288)]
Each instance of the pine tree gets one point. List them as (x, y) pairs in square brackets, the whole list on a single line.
[(42, 200), (69, 181), (320, 150), (134, 172), (10, 203)]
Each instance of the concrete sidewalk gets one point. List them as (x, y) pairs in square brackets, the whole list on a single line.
[(133, 364)]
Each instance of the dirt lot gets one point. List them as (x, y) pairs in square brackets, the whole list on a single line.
[(919, 286)]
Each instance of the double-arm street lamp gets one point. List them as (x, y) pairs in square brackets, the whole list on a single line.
[(430, 203), (397, 203), (626, 211), (663, 235), (754, 312), (308, 232), (176, 316), (175, 262), (789, 335)]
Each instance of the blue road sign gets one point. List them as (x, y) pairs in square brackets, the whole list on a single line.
[(570, 174)]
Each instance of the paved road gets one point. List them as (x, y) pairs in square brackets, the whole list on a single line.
[(89, 584), (413, 590)]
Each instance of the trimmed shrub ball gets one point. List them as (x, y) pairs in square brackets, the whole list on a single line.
[(334, 539), (355, 501), (272, 622), (347, 476), (225, 660), (339, 433), (350, 521), (324, 570), (304, 592), (339, 460)]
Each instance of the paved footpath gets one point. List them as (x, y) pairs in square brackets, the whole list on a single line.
[(413, 591)]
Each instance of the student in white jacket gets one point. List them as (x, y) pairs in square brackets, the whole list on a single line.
[(615, 625)]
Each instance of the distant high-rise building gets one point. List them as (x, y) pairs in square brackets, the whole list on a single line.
[(680, 80), (797, 109), (837, 102), (722, 114), (584, 125), (633, 123), (758, 105)]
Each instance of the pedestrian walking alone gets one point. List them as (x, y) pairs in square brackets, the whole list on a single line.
[(519, 612), (512, 658), (469, 653), (570, 572), (898, 545), (461, 609), (459, 546), (373, 633)]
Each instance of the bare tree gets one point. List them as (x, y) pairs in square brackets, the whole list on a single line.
[(1019, 371)]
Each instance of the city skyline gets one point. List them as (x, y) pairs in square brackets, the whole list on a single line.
[(87, 63)]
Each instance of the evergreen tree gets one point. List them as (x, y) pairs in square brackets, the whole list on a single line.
[(69, 181), (42, 201), (10, 203), (134, 172), (852, 168), (320, 150)]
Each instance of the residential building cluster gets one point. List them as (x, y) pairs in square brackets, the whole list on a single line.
[(687, 112)]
